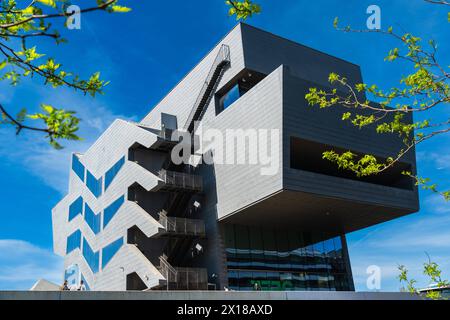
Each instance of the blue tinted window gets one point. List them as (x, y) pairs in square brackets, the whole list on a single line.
[(94, 185), (73, 241), (110, 250), (111, 210), (230, 97), (92, 258), (75, 208), (92, 219), (111, 173), (77, 167)]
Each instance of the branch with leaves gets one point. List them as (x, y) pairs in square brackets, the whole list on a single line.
[(18, 25), (430, 269), (242, 9), (425, 88)]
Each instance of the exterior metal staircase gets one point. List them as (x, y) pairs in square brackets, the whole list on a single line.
[(179, 181), (220, 62), (175, 226), (180, 230), (181, 278)]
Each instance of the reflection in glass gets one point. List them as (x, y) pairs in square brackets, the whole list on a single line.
[(284, 260)]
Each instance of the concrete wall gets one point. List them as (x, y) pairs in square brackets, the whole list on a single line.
[(206, 295)]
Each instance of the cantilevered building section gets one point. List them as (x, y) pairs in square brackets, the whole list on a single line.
[(134, 220)]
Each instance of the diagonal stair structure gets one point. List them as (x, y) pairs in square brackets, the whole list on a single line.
[(93, 222)]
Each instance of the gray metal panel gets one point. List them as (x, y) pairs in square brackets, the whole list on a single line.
[(326, 126), (264, 52), (239, 185)]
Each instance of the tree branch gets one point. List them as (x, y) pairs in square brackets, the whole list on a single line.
[(55, 15), (21, 126)]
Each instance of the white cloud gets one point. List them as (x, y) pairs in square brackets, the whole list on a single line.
[(403, 242), (22, 264), (437, 203)]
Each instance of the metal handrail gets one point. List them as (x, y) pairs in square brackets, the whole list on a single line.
[(182, 276), (181, 225), (222, 58), (167, 267), (180, 179), (164, 220)]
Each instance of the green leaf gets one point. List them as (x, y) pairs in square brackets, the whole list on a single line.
[(50, 3), (117, 8), (336, 22)]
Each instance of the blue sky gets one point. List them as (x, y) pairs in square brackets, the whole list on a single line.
[(144, 53)]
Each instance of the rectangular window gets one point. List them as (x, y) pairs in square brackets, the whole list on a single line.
[(73, 241), (92, 219), (92, 258), (94, 185), (231, 96), (111, 210), (112, 172), (75, 208), (110, 250), (78, 167), (236, 88), (307, 155)]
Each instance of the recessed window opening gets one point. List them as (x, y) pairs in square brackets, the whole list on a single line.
[(307, 155), (236, 88)]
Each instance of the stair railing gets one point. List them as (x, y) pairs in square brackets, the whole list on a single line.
[(222, 59), (169, 272)]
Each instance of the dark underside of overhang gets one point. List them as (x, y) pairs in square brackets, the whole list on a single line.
[(311, 212)]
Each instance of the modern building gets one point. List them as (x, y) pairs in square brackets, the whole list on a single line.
[(136, 219)]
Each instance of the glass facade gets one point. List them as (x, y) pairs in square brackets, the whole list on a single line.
[(94, 185), (73, 241), (75, 208), (284, 260), (77, 167), (111, 210), (110, 250), (93, 220), (92, 258), (111, 173)]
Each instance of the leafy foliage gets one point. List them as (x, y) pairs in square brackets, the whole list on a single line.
[(242, 9), (430, 269), (425, 88), (17, 61)]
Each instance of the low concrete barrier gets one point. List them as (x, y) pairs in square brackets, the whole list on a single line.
[(204, 295)]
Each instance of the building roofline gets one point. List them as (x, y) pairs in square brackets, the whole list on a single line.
[(239, 24), (298, 43), (192, 69)]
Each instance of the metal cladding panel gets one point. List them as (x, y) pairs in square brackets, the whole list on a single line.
[(239, 185), (111, 147), (264, 52), (326, 126)]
